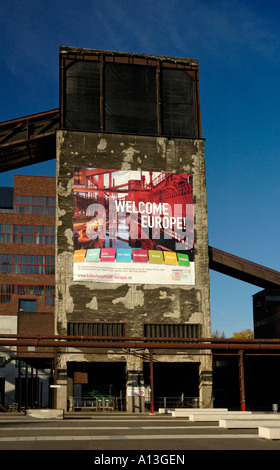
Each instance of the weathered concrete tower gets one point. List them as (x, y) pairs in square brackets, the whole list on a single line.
[(132, 234)]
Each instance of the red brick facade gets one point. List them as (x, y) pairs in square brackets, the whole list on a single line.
[(38, 187)]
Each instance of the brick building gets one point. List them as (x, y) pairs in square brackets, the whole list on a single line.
[(27, 263)]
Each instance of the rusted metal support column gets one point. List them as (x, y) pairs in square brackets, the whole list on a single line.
[(26, 386), (152, 381), (242, 381), (102, 92), (158, 81)]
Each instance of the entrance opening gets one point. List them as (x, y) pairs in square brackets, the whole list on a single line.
[(262, 384), (226, 388), (97, 386), (175, 384)]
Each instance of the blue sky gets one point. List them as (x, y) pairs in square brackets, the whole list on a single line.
[(237, 44)]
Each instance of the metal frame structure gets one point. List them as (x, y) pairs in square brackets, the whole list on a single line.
[(28, 140), (144, 346), (68, 56)]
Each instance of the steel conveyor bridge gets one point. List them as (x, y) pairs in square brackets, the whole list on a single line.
[(242, 269), (28, 140)]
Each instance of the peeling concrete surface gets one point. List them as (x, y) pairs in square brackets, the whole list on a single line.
[(93, 304), (113, 301), (133, 298), (133, 305)]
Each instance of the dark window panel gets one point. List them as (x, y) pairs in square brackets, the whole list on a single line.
[(83, 96), (96, 329), (27, 305), (171, 330), (130, 99), (178, 104)]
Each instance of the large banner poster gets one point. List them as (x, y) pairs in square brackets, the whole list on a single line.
[(133, 227)]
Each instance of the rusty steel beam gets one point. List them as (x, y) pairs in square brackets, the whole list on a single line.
[(27, 127), (28, 140), (243, 269), (152, 381), (242, 381), (133, 343), (138, 338)]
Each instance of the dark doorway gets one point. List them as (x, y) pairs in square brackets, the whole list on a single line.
[(262, 382), (98, 386), (2, 391), (28, 392), (261, 379), (175, 384), (226, 387)]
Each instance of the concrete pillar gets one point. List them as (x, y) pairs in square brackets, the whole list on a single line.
[(61, 398), (206, 383), (70, 393), (134, 385)]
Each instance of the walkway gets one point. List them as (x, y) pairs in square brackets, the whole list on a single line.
[(126, 433)]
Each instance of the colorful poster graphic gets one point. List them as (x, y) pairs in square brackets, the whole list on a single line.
[(133, 227)]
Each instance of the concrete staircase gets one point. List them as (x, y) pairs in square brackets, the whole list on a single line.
[(267, 423)]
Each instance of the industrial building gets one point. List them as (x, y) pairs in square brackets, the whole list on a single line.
[(266, 311), (132, 239), (124, 322)]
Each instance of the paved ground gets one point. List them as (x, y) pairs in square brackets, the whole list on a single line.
[(125, 433)]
